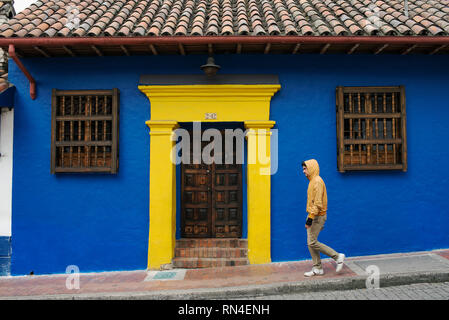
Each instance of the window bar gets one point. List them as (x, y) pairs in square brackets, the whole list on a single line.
[(61, 156), (104, 156), (358, 101), (104, 130), (89, 132), (95, 156), (79, 131), (402, 128), (71, 131), (96, 131), (61, 123), (79, 156), (375, 126), (385, 125), (62, 129), (350, 126), (359, 130), (70, 156), (367, 122), (87, 112), (360, 153), (393, 109)]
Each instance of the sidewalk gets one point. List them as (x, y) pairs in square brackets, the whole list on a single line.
[(233, 282)]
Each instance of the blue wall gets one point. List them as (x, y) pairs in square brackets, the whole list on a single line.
[(100, 222)]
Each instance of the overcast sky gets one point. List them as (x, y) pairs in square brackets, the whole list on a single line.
[(19, 5)]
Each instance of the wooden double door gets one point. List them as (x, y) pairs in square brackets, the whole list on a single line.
[(211, 196)]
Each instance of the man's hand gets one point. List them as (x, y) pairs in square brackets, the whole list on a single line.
[(309, 223)]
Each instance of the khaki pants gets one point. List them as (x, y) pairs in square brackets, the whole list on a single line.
[(316, 247)]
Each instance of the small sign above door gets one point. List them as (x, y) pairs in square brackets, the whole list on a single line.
[(211, 116)]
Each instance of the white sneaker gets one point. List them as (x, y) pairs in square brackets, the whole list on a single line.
[(340, 260), (314, 272)]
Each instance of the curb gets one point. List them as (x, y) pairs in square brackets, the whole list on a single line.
[(352, 283)]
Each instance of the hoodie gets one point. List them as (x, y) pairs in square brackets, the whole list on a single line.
[(316, 192)]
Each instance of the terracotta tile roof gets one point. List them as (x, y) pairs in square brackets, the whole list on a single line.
[(7, 8), (6, 11), (128, 18)]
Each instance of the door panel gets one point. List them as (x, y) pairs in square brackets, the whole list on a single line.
[(196, 201), (211, 199)]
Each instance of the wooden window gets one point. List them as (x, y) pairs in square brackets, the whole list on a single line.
[(84, 136), (371, 128)]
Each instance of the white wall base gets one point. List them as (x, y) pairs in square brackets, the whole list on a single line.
[(6, 150)]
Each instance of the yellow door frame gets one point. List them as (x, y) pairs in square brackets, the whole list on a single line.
[(171, 104)]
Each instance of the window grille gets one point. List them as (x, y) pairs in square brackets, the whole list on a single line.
[(85, 129), (371, 128)]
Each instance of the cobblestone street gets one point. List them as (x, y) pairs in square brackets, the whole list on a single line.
[(421, 291)]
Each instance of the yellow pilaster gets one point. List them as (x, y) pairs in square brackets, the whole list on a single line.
[(259, 191), (161, 244)]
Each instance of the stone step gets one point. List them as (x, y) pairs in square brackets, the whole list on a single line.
[(210, 243), (190, 263), (211, 252)]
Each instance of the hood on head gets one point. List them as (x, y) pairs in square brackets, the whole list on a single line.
[(313, 168)]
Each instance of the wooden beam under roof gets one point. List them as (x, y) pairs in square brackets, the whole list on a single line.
[(324, 49), (210, 49), (267, 48), (97, 51), (181, 49), (153, 49), (296, 48), (381, 48), (354, 47), (124, 50), (41, 51), (438, 49), (69, 51), (239, 48), (409, 49)]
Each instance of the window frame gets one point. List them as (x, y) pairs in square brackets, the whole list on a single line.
[(113, 142), (368, 140)]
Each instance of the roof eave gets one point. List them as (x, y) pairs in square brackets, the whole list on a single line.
[(48, 47)]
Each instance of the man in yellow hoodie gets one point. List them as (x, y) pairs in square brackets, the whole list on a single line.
[(317, 214)]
